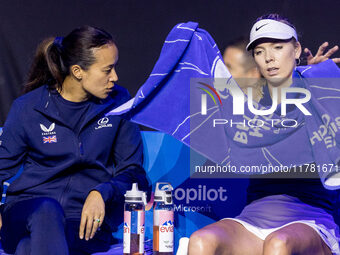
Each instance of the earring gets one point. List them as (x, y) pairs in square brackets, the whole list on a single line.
[(298, 61)]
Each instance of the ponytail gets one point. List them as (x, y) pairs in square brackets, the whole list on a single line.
[(55, 56), (47, 67)]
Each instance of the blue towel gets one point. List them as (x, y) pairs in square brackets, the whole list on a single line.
[(188, 52), (190, 65)]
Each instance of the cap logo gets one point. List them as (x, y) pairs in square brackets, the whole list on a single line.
[(274, 30), (258, 28)]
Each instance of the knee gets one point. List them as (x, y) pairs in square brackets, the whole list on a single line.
[(277, 243), (48, 210), (203, 242), (24, 246)]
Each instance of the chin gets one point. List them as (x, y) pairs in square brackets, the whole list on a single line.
[(102, 96), (277, 81)]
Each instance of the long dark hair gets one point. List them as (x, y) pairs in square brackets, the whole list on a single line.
[(55, 56)]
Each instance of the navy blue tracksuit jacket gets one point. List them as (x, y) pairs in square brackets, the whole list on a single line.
[(105, 155)]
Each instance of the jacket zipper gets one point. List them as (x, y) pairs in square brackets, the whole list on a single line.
[(64, 191), (80, 151)]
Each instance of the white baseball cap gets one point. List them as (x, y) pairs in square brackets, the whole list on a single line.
[(269, 28)]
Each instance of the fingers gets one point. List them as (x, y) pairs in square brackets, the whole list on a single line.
[(321, 56), (101, 218), (95, 226), (336, 60), (308, 54), (321, 49), (92, 215), (82, 226), (90, 225), (331, 51)]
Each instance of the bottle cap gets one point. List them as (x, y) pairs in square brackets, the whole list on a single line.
[(135, 195), (183, 246), (163, 194)]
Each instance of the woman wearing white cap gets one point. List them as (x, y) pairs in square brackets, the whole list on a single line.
[(283, 216)]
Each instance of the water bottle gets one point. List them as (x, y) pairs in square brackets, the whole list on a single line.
[(134, 221), (163, 220)]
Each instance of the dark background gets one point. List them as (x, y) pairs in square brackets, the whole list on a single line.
[(140, 28)]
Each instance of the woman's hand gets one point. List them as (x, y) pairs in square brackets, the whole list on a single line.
[(320, 56), (92, 215)]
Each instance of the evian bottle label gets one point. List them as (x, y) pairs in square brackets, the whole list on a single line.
[(141, 230), (166, 230), (127, 232)]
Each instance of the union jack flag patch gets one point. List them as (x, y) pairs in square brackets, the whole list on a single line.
[(50, 139)]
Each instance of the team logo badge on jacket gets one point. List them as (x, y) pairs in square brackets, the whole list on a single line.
[(49, 136), (103, 122)]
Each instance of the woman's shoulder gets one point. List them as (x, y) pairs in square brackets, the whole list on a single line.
[(32, 97)]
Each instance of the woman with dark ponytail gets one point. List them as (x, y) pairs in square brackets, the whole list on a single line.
[(76, 162)]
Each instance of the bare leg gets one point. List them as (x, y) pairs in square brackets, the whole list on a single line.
[(297, 238), (24, 247), (224, 237)]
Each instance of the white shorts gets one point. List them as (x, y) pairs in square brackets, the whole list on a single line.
[(268, 214)]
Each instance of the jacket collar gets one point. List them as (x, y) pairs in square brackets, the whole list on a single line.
[(47, 106)]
